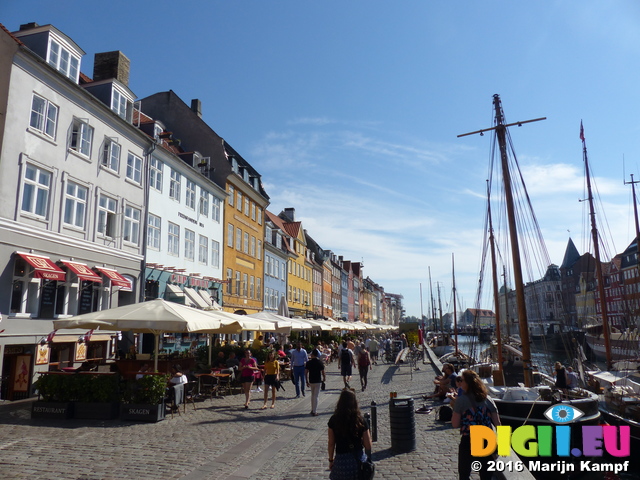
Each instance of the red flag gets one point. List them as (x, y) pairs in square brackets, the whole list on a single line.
[(581, 131), (50, 336), (87, 336)]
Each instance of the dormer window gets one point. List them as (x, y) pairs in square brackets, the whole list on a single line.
[(63, 60), (121, 104)]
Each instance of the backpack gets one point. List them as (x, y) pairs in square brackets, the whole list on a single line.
[(479, 415), (363, 359), (445, 412), (345, 357)]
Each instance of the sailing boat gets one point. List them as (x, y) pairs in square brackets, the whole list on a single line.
[(525, 403), (621, 403)]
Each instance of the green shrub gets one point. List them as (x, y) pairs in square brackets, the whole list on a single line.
[(150, 390)]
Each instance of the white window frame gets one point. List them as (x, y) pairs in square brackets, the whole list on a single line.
[(231, 195), (36, 191), (111, 155), (215, 209), (204, 203), (75, 205), (44, 117), (81, 137), (215, 254), (154, 232), (173, 239), (238, 239), (189, 244), (63, 60), (190, 197), (203, 249), (106, 216), (230, 231), (134, 168), (131, 229), (174, 185), (245, 243), (121, 104), (155, 174)]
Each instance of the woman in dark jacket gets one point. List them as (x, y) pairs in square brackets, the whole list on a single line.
[(349, 438)]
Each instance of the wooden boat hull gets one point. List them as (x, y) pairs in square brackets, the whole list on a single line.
[(622, 346)]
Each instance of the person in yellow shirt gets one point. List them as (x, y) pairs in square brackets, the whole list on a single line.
[(271, 377), (257, 343)]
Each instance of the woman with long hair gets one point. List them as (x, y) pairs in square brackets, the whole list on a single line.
[(473, 407), (349, 438), (271, 376), (248, 366)]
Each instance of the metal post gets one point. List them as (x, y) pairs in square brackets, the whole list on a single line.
[(374, 422)]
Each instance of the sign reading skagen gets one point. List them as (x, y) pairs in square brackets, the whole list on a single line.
[(139, 411)]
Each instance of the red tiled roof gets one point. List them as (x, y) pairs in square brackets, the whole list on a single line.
[(16, 39), (292, 228)]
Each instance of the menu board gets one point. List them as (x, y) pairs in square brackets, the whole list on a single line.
[(48, 299), (86, 298)]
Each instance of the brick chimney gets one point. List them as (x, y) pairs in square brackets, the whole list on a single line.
[(196, 107), (111, 65)]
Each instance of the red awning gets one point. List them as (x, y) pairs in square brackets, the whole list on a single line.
[(82, 271), (44, 267), (117, 280)]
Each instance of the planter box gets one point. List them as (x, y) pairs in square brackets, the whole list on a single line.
[(96, 411), (142, 412), (52, 409)]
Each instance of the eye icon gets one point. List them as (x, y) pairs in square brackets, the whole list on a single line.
[(563, 413)]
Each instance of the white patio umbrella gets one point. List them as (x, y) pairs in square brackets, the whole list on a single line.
[(282, 324), (154, 316), (318, 325)]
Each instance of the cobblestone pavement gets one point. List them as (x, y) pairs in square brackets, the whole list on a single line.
[(221, 440)]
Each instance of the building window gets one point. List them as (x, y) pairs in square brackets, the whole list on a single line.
[(44, 116), (258, 288), (121, 105), (191, 194), (245, 244), (244, 285), (215, 254), (238, 285), (238, 239), (204, 203), (134, 168), (246, 206), (259, 216), (253, 211), (107, 216), (189, 244), (229, 281), (268, 234), (215, 209), (229, 235), (259, 256), (75, 205), (110, 155), (35, 192), (239, 201), (251, 286), (203, 249), (81, 137), (131, 225), (174, 185), (253, 246), (154, 232), (231, 195), (155, 174), (173, 239), (64, 61)]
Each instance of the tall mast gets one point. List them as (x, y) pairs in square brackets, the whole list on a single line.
[(455, 313), (501, 135), (596, 252), (506, 301), (433, 305), (421, 314), (496, 296), (440, 309)]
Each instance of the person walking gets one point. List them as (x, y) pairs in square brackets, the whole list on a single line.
[(316, 375), (474, 407), (364, 365), (373, 350), (248, 366), (299, 358), (271, 376), (349, 438), (345, 363)]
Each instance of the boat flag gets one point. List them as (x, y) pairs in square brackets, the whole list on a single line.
[(581, 131)]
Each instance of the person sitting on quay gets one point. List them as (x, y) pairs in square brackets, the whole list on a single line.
[(257, 343), (444, 383), (220, 361)]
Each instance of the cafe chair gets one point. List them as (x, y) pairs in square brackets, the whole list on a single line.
[(176, 398), (189, 395), (207, 386)]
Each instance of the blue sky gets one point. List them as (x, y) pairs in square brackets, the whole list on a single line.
[(351, 111)]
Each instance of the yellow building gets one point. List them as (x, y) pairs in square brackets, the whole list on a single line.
[(299, 269), (244, 235)]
